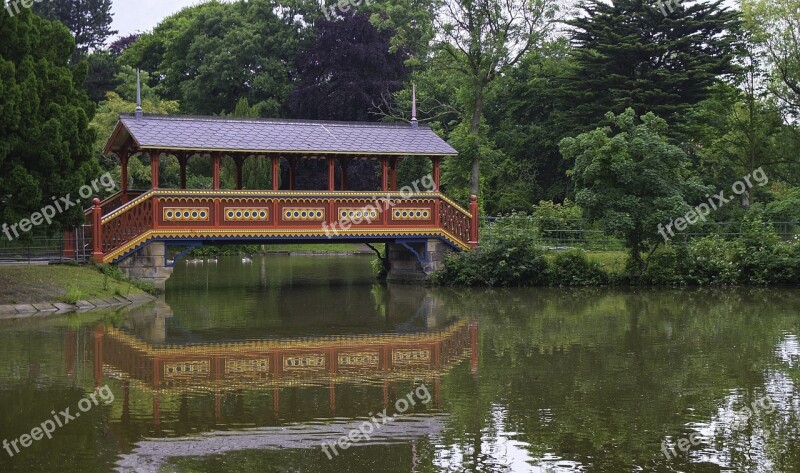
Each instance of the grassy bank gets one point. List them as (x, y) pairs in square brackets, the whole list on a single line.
[(58, 283)]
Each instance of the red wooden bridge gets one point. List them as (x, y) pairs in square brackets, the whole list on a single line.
[(129, 221)]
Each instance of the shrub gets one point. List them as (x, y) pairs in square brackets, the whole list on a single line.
[(508, 256), (668, 266), (573, 268), (714, 261)]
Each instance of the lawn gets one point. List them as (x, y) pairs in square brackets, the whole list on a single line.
[(43, 283)]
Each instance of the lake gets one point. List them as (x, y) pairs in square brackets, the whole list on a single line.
[(303, 363)]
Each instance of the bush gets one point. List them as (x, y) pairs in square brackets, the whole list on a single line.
[(714, 261), (508, 256), (573, 268)]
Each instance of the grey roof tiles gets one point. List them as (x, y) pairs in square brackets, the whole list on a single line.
[(288, 136)]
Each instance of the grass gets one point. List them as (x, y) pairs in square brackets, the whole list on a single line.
[(610, 261), (67, 283)]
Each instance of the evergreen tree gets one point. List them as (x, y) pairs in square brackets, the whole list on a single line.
[(629, 54), (45, 141), (89, 20)]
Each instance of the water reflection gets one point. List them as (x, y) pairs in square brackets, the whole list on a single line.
[(247, 368)]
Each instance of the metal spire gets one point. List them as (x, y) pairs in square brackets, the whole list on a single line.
[(138, 95), (414, 122)]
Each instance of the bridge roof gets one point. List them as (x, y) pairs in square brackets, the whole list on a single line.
[(236, 135)]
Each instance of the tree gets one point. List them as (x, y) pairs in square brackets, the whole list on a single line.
[(628, 54), (45, 140), (211, 55), (345, 71), (482, 39), (775, 25), (89, 20), (525, 120), (630, 181)]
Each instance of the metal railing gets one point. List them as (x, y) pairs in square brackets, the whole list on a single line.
[(75, 246), (576, 233)]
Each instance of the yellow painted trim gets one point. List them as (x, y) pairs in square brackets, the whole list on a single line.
[(211, 233), (318, 343)]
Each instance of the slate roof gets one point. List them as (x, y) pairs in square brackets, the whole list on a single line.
[(280, 136)]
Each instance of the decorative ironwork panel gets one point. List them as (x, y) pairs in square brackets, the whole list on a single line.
[(178, 214), (411, 214), (246, 214), (300, 214)]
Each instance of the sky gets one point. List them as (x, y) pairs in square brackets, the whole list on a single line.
[(131, 16)]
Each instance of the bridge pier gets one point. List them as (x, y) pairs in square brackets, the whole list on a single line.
[(148, 264), (414, 261)]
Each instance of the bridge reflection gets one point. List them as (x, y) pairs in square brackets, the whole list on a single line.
[(146, 354)]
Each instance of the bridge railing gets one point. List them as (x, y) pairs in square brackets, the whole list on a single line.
[(209, 215)]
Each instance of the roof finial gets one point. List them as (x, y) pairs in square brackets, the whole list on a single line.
[(414, 122), (138, 95)]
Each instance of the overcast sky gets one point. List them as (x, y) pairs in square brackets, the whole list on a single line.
[(131, 16)]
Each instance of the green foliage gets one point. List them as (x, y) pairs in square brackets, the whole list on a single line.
[(758, 258), (551, 216), (630, 55), (775, 26), (88, 20), (72, 296), (630, 180), (45, 140), (508, 256), (573, 268), (191, 54)]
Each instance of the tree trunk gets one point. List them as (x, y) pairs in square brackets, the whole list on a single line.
[(475, 129)]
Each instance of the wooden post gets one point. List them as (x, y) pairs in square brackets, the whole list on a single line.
[(154, 155), (473, 228), (97, 231), (437, 173), (239, 161), (123, 163), (69, 244), (394, 174), (331, 174), (276, 177), (215, 157), (183, 160), (384, 174)]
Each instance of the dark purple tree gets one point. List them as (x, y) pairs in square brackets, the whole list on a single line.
[(122, 43), (343, 74), (345, 70)]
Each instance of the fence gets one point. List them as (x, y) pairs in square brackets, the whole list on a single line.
[(558, 233), (46, 249)]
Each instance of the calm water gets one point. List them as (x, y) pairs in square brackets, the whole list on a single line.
[(251, 368)]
